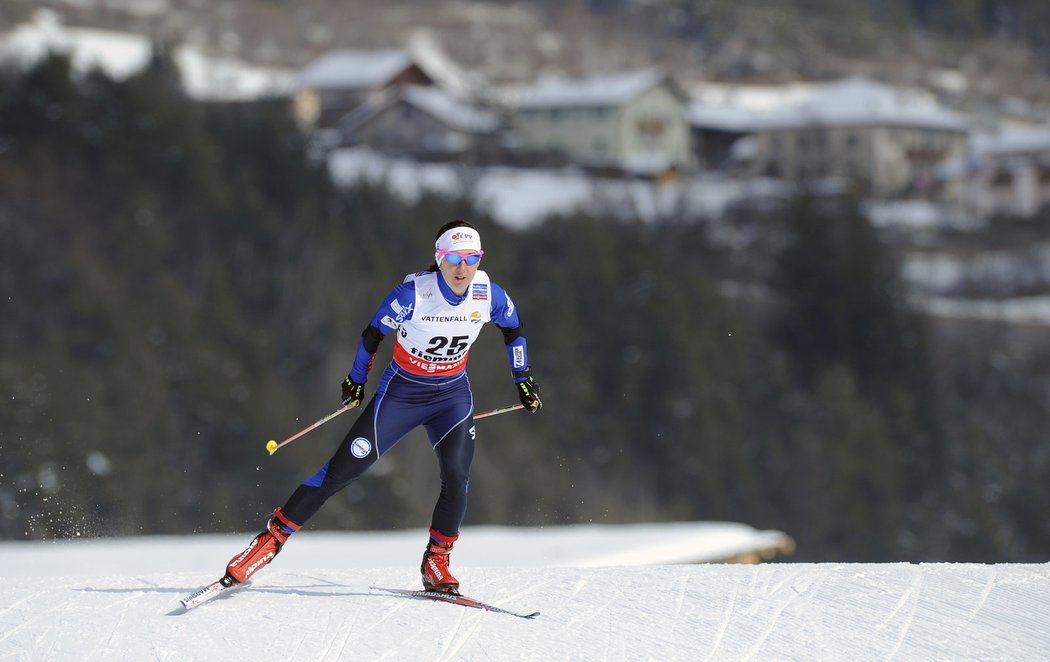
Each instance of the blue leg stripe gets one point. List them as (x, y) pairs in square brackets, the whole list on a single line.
[(318, 478)]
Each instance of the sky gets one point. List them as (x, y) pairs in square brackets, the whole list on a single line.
[(118, 600)]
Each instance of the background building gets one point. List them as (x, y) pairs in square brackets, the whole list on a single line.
[(881, 139), (339, 81), (632, 120)]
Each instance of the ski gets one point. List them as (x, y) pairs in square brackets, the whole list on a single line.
[(209, 592), (452, 598)]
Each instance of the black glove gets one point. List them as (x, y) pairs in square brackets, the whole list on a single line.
[(353, 393), (528, 391)]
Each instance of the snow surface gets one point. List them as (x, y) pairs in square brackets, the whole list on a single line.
[(314, 603), (122, 54), (520, 198), (1034, 310)]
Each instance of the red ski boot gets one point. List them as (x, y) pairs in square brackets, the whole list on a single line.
[(263, 549), (436, 575)]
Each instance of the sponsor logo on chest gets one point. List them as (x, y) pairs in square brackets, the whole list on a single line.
[(474, 317)]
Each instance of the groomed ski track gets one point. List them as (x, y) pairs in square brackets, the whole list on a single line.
[(779, 611)]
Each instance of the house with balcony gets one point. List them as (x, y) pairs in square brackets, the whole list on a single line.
[(634, 121), (888, 142), (1008, 173), (877, 139)]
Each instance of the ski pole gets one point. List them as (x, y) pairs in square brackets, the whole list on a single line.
[(272, 445), (493, 412)]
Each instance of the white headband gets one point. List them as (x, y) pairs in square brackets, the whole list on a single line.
[(457, 239)]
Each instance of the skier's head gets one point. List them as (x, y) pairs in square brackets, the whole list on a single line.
[(457, 253), (458, 237)]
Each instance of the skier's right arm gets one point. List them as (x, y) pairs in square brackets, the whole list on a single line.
[(395, 309)]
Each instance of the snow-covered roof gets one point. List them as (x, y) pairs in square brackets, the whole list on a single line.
[(855, 101), (450, 110), (427, 52), (859, 101), (355, 69), (739, 107), (602, 90), (1013, 142), (756, 97), (722, 117)]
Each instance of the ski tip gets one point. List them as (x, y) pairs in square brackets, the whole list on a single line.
[(184, 605), (209, 592)]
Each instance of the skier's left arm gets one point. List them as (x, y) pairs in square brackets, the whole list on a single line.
[(504, 314), (395, 309)]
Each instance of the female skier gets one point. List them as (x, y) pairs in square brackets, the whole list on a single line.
[(436, 316)]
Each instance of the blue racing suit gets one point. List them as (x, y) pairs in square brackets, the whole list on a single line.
[(425, 384)]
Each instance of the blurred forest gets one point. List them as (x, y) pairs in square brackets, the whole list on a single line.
[(179, 282)]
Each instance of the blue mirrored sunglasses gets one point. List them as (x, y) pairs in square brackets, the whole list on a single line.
[(456, 258)]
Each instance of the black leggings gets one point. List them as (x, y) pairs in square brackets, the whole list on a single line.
[(445, 409)]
